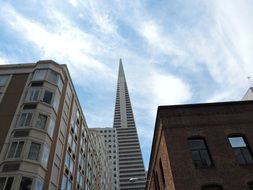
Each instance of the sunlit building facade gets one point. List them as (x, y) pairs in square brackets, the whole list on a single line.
[(44, 139)]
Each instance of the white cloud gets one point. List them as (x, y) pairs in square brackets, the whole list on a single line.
[(74, 3), (159, 42), (64, 43), (167, 89)]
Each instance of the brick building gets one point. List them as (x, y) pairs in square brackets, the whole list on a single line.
[(202, 147)]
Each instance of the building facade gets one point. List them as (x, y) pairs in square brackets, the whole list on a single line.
[(44, 139), (202, 147), (111, 145), (130, 157)]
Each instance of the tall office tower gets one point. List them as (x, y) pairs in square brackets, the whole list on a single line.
[(111, 143), (44, 139), (130, 158)]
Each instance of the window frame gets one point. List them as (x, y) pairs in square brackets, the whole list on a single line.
[(24, 125), (6, 182), (14, 156), (200, 150), (247, 147), (38, 157)]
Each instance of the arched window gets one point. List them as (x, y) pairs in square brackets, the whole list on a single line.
[(211, 187), (199, 151), (241, 149)]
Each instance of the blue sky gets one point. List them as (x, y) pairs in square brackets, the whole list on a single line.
[(173, 52)]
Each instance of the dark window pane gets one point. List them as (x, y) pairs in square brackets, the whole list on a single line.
[(19, 149), (250, 184), (2, 182), (205, 158), (9, 183), (200, 155), (26, 183), (247, 156), (48, 97), (12, 150), (241, 150), (196, 144)]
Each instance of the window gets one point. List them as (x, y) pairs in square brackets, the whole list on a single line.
[(241, 150), (25, 119), (26, 183), (66, 183), (45, 155), (69, 162), (33, 95), (41, 121), (200, 154), (3, 79), (47, 97), (6, 183), (38, 185), (211, 187), (52, 77), (51, 126), (34, 151), (250, 184), (39, 74), (72, 142), (16, 149)]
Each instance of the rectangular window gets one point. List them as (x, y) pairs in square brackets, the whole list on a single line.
[(56, 101), (3, 79), (34, 151), (33, 95), (51, 126), (47, 97), (200, 153), (24, 119), (66, 183), (26, 183), (16, 149), (38, 185), (45, 155), (41, 121), (39, 74), (69, 162), (241, 150), (52, 77), (6, 183)]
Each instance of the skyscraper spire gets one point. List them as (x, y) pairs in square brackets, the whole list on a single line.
[(130, 157)]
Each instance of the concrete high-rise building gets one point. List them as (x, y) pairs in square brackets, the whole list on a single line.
[(130, 157), (44, 139), (111, 144), (202, 147)]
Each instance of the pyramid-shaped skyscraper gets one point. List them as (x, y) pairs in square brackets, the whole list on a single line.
[(130, 158)]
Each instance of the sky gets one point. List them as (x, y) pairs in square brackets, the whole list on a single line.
[(173, 51)]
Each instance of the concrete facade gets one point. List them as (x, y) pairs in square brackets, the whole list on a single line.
[(177, 164), (130, 156), (111, 145), (44, 139)]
